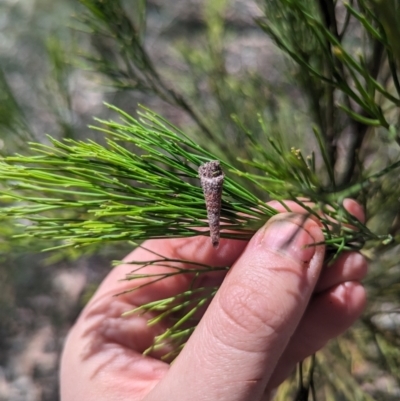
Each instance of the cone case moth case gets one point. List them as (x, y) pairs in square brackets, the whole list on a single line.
[(212, 180)]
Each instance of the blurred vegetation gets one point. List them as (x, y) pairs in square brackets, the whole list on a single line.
[(210, 67)]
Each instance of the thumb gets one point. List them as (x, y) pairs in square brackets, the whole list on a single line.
[(237, 345)]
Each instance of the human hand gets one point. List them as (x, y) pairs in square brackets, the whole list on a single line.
[(275, 307)]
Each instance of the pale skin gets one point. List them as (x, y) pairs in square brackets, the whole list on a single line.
[(277, 305)]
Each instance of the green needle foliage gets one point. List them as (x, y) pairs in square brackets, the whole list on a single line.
[(181, 311), (81, 193), (111, 193)]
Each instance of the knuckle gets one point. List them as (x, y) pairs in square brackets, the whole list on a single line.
[(250, 311)]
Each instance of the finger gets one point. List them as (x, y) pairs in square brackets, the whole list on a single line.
[(329, 314), (292, 206), (350, 266), (352, 206), (252, 317), (197, 250)]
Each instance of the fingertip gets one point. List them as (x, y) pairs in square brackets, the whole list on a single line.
[(329, 314), (290, 234), (349, 299), (350, 266), (335, 310), (355, 209)]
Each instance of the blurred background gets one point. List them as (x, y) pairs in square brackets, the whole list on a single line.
[(204, 60)]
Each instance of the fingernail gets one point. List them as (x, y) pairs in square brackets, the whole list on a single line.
[(288, 236)]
